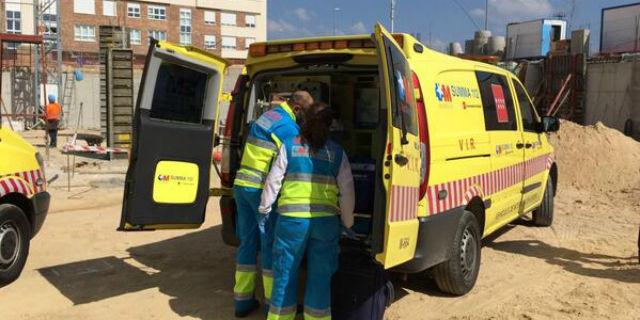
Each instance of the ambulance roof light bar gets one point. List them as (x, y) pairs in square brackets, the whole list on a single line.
[(262, 49)]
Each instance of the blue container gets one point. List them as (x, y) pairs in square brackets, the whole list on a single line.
[(78, 75)]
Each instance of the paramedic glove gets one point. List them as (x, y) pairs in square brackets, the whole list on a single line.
[(263, 217), (262, 222), (348, 233)]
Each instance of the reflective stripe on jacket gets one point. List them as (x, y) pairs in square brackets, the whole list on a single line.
[(310, 189), (263, 143)]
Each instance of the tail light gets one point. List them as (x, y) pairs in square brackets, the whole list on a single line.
[(226, 164), (424, 136)]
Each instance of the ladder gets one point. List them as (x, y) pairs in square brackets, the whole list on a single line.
[(67, 96)]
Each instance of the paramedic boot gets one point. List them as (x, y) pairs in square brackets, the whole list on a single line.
[(243, 291), (246, 308)]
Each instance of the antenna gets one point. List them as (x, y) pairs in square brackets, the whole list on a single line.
[(393, 12), (335, 13), (572, 12), (486, 14)]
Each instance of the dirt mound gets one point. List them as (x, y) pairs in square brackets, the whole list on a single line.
[(596, 157)]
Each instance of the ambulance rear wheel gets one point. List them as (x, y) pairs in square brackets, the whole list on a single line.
[(458, 275), (543, 216), (14, 242)]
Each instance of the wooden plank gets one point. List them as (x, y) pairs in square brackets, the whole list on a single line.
[(120, 92), (120, 95), (122, 74)]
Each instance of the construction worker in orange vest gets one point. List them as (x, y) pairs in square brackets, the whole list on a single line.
[(52, 113)]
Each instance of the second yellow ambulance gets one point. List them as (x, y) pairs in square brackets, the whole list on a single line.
[(24, 201)]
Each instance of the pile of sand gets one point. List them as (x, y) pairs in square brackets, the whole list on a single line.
[(596, 157)]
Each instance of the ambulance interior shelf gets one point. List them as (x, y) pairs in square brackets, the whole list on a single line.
[(358, 123)]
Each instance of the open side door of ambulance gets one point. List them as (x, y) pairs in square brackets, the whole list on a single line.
[(167, 183), (401, 169)]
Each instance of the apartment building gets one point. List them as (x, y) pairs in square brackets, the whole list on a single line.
[(16, 16), (224, 27)]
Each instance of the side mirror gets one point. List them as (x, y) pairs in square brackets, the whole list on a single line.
[(550, 124)]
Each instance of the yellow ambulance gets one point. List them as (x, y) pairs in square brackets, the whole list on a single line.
[(24, 201), (444, 151)]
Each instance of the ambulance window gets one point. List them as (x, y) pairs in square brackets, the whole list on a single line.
[(498, 107), (402, 100), (529, 119), (179, 94)]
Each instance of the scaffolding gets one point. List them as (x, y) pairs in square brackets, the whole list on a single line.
[(33, 71), (21, 60), (47, 25)]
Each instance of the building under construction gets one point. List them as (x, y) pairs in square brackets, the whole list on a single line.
[(560, 73), (78, 42), (32, 67), (30, 58)]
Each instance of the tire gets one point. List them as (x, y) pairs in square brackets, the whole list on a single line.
[(15, 234), (458, 275), (543, 216)]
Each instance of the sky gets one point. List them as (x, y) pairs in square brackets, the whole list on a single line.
[(438, 21)]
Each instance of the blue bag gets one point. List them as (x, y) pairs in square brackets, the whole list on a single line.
[(78, 75)]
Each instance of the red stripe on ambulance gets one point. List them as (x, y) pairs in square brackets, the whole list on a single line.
[(461, 191), (404, 201)]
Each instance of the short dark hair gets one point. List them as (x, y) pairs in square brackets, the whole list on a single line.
[(317, 121), (301, 97)]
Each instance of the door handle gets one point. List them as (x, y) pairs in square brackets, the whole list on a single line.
[(519, 145), (528, 145), (401, 160)]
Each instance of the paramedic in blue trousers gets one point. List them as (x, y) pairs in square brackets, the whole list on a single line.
[(261, 147), (313, 178)]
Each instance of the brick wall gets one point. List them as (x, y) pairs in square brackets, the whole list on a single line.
[(3, 23), (240, 22), (171, 26)]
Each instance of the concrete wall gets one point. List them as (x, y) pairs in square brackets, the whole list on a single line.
[(532, 38), (88, 92), (6, 90), (524, 39), (613, 94)]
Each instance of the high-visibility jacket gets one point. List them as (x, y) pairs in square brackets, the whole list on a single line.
[(310, 188), (53, 111), (263, 142)]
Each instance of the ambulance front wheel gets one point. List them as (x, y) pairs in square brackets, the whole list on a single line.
[(14, 242), (543, 216), (458, 274)]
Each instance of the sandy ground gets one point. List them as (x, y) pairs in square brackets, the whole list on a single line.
[(584, 267)]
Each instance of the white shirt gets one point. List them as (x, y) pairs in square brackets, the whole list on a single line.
[(273, 184)]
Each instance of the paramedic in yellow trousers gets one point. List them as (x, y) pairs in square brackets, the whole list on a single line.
[(263, 142), (313, 178)]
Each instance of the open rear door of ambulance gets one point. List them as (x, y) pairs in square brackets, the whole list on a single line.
[(401, 170), (167, 183)]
